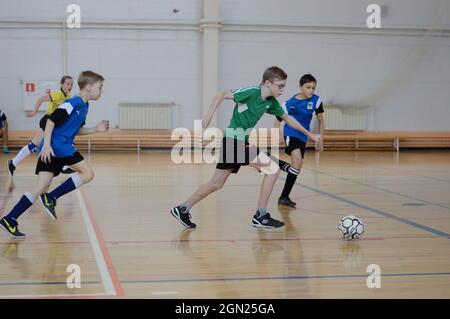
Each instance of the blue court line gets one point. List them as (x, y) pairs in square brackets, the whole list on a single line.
[(396, 171), (379, 188), (155, 281), (377, 211), (305, 277)]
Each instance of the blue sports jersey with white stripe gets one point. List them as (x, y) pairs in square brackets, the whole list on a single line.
[(64, 134), (302, 111)]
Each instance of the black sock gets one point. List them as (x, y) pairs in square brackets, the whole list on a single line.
[(284, 166), (290, 181)]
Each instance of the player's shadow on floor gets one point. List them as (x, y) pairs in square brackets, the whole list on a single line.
[(10, 251)]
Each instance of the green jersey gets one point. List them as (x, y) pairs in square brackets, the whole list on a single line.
[(249, 109)]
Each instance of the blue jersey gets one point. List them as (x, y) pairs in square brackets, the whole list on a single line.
[(74, 111), (302, 111)]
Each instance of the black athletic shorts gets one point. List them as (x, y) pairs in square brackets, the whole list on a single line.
[(293, 143), (235, 154), (43, 122), (57, 163)]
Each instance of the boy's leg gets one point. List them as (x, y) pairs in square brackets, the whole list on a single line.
[(296, 163), (217, 181), (68, 170), (9, 222), (181, 212), (25, 151), (271, 170), (85, 175)]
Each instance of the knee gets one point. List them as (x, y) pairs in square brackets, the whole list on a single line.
[(297, 165), (271, 169), (87, 176), (41, 189)]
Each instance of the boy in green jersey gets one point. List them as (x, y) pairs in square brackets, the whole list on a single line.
[(251, 103)]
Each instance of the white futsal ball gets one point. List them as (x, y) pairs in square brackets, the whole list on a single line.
[(351, 227)]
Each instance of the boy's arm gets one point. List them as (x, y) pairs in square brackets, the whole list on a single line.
[(296, 125), (102, 126), (278, 124), (47, 151), (42, 99), (218, 99), (321, 129), (58, 117)]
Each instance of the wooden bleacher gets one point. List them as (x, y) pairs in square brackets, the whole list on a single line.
[(123, 140)]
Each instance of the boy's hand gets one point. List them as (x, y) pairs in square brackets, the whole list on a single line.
[(31, 114), (319, 145), (314, 137), (47, 153), (103, 126)]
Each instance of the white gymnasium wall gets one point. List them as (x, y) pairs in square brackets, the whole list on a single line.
[(138, 65), (162, 61), (312, 37)]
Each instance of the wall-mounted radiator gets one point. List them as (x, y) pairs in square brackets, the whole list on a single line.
[(339, 119), (146, 116)]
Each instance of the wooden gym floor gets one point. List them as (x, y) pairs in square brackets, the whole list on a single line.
[(120, 233)]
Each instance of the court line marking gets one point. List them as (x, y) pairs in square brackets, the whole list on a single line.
[(376, 211), (281, 277), (106, 268), (378, 188), (300, 277), (398, 171)]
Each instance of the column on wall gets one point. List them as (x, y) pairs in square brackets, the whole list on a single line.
[(209, 26)]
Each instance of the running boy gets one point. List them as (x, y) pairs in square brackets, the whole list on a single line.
[(58, 150), (301, 106), (251, 104)]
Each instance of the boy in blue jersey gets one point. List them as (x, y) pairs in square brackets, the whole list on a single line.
[(57, 150), (4, 131), (302, 106)]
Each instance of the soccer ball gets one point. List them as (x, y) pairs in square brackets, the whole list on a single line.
[(351, 227)]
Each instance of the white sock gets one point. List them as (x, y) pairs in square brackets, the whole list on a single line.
[(30, 197), (65, 167), (23, 153), (77, 181)]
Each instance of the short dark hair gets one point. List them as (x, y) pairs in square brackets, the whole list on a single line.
[(64, 78), (88, 77), (274, 73), (307, 78)]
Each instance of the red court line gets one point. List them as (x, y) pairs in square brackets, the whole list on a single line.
[(111, 269)]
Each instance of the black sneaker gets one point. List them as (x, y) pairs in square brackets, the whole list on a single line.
[(49, 205), (11, 227), (265, 221), (185, 218), (286, 201), (11, 167), (68, 170)]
